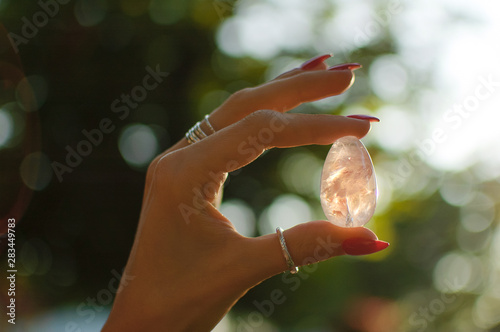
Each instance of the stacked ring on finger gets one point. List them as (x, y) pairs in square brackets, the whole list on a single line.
[(196, 134)]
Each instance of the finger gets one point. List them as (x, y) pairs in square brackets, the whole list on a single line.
[(285, 94), (309, 243), (289, 73), (316, 63), (241, 143), (204, 173), (282, 95)]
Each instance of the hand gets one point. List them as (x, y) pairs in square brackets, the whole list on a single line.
[(188, 265)]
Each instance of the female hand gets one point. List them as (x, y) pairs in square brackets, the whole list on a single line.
[(188, 265)]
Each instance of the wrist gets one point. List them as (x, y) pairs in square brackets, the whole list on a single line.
[(193, 301)]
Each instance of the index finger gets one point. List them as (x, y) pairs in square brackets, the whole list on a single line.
[(241, 143)]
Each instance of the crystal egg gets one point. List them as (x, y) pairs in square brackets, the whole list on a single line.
[(348, 184)]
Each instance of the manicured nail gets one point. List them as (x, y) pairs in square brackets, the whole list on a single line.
[(358, 246), (364, 117), (312, 63), (350, 66)]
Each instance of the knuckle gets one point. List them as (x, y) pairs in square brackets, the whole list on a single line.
[(241, 95), (153, 165), (164, 168), (262, 116), (151, 170)]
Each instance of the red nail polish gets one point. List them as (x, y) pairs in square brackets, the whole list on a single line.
[(312, 63), (350, 66), (358, 246), (364, 117)]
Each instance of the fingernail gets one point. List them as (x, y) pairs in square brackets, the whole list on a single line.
[(312, 63), (358, 246), (350, 66), (364, 117)]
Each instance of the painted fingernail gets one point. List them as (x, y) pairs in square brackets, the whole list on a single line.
[(358, 246), (364, 117), (350, 66), (312, 63)]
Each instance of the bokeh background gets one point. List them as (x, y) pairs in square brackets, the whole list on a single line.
[(431, 73)]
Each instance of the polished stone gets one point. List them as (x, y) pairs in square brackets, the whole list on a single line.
[(348, 184)]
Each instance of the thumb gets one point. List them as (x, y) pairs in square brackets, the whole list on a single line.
[(317, 241), (312, 242)]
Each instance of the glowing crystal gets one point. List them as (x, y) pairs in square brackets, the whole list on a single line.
[(348, 184)]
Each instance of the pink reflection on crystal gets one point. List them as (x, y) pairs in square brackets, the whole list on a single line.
[(348, 184)]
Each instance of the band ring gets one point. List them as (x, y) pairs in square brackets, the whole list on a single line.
[(288, 258), (209, 124), (196, 134)]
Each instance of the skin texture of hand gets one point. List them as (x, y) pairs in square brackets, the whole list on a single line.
[(188, 265)]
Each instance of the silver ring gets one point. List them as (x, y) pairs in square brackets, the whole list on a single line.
[(289, 261), (198, 131), (196, 134), (209, 124), (191, 136)]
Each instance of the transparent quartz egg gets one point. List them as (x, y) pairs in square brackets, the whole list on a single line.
[(348, 184)]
